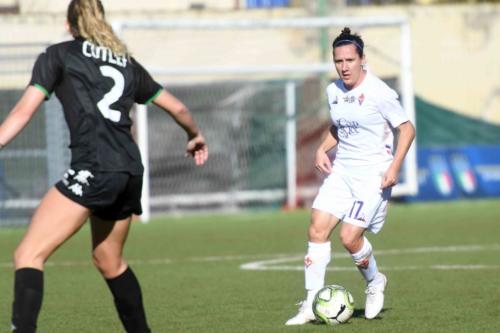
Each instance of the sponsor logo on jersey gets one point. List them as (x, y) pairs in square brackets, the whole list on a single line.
[(346, 127), (349, 99)]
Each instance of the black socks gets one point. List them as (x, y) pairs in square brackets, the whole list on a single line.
[(28, 294), (128, 301)]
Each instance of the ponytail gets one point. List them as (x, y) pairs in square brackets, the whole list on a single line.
[(87, 20)]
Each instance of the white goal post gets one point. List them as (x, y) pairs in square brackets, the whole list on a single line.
[(409, 185)]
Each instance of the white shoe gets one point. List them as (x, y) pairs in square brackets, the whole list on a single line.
[(375, 296), (304, 316)]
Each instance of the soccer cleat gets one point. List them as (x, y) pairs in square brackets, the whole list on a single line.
[(375, 296), (304, 316)]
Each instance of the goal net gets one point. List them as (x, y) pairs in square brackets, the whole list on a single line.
[(257, 89)]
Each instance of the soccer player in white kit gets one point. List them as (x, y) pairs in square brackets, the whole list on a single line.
[(364, 112)]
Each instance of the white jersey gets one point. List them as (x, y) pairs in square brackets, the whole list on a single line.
[(364, 117)]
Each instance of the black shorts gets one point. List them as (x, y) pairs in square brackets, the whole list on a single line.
[(109, 195)]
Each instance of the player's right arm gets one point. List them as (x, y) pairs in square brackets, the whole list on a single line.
[(322, 162), (21, 114), (196, 145), (45, 75)]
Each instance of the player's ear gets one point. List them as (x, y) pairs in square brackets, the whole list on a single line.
[(363, 62)]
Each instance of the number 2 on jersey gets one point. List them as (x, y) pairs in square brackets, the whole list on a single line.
[(113, 95)]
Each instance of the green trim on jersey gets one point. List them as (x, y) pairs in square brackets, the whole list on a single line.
[(42, 89), (153, 97)]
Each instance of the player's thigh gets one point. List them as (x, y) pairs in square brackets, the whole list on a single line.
[(110, 224), (334, 196), (55, 220), (322, 225), (380, 213), (109, 235), (108, 240)]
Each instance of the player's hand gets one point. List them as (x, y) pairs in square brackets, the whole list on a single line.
[(390, 178), (197, 148), (323, 163)]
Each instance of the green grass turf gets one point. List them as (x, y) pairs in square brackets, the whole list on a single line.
[(189, 268)]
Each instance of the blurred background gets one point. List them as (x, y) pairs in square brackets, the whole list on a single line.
[(254, 72)]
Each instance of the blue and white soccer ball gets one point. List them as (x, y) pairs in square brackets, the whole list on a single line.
[(333, 305)]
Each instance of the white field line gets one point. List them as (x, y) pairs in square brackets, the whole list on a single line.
[(276, 260), (251, 266), (89, 263), (276, 264), (235, 258)]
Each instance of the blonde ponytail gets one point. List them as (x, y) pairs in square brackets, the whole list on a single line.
[(87, 20)]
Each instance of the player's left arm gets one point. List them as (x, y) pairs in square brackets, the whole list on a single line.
[(405, 136), (196, 145), (21, 114), (150, 91)]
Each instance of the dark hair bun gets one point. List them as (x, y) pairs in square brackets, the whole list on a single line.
[(346, 31)]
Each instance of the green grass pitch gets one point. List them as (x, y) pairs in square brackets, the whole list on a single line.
[(442, 261)]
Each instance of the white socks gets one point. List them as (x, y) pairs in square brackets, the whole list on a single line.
[(318, 257), (365, 261), (315, 263)]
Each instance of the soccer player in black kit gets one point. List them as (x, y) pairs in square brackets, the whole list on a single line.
[(97, 82)]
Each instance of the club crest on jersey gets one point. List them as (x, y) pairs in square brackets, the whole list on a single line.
[(308, 261), (361, 99), (349, 99)]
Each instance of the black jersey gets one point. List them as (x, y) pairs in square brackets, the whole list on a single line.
[(96, 89)]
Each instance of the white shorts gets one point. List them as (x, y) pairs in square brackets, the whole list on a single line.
[(357, 200)]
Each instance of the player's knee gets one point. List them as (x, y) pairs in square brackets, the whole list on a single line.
[(350, 241), (19, 257), (318, 234), (26, 257), (107, 264)]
